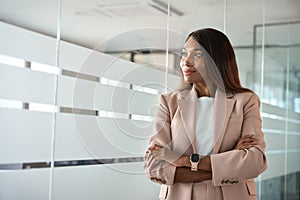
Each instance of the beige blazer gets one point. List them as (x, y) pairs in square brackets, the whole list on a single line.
[(232, 170)]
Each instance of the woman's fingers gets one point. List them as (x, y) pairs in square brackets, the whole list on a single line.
[(154, 148), (246, 142), (248, 138)]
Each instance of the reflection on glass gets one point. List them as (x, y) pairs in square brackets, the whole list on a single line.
[(281, 75)]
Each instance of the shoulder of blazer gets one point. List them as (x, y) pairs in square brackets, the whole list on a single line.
[(246, 97), (170, 100), (175, 95)]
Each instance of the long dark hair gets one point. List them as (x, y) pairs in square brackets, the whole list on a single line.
[(221, 54)]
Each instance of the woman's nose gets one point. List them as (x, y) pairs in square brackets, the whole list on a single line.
[(186, 61)]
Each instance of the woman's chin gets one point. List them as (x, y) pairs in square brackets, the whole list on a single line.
[(187, 81)]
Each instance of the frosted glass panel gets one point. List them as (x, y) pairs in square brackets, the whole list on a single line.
[(25, 136), (274, 124), (275, 166), (89, 137), (26, 85), (103, 182), (277, 141), (77, 93), (294, 142), (79, 59), (27, 45), (24, 184), (138, 74), (85, 94), (270, 109), (293, 160)]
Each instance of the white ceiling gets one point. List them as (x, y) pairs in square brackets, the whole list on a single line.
[(120, 25)]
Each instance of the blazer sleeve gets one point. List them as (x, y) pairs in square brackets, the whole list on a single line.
[(156, 170), (236, 166)]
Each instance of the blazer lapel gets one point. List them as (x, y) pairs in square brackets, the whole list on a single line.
[(188, 106), (223, 110)]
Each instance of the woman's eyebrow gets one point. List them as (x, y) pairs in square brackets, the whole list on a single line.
[(192, 49)]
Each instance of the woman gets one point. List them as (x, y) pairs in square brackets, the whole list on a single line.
[(207, 141)]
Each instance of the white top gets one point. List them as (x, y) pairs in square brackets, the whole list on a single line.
[(204, 129)]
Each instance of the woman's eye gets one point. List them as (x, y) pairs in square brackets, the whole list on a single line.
[(198, 55), (183, 54)]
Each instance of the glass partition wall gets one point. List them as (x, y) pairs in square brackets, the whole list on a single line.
[(80, 82), (279, 88)]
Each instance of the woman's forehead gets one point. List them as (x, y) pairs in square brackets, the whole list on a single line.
[(191, 43)]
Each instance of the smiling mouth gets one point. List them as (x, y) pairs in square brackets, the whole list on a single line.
[(188, 72)]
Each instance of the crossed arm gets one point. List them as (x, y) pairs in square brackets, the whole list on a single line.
[(184, 174)]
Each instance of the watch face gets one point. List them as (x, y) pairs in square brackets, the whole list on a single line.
[(195, 157)]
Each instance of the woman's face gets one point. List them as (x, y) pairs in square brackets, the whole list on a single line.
[(192, 62)]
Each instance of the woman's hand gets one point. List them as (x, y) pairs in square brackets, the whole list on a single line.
[(246, 142), (163, 153), (186, 175)]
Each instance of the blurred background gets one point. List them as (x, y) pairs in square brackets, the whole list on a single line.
[(80, 82)]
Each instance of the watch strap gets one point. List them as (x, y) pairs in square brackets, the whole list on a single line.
[(194, 166)]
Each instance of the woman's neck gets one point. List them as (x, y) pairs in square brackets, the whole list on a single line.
[(204, 90)]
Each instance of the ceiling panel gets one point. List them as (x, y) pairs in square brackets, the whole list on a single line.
[(93, 22)]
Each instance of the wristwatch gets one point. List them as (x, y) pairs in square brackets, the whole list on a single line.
[(194, 158)]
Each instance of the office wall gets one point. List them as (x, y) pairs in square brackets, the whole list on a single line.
[(77, 130)]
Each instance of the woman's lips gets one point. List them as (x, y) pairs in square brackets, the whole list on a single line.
[(188, 72)]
